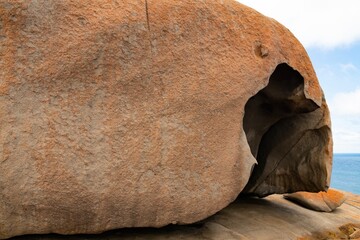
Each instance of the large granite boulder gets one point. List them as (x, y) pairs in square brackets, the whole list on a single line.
[(146, 113)]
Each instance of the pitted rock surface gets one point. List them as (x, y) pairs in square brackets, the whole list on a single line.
[(131, 113)]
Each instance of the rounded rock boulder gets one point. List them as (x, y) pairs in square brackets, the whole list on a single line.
[(146, 113)]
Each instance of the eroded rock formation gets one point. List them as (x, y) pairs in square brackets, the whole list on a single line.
[(146, 113), (321, 201), (289, 135)]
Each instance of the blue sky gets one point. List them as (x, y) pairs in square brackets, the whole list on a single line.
[(330, 32)]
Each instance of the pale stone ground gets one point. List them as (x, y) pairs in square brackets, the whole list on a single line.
[(250, 218)]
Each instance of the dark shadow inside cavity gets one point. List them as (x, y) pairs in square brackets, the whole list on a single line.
[(282, 98)]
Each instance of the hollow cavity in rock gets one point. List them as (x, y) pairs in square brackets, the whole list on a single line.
[(286, 135)]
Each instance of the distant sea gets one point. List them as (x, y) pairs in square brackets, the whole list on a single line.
[(346, 172)]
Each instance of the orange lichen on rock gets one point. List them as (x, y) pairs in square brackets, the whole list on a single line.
[(321, 201), (346, 231), (119, 114)]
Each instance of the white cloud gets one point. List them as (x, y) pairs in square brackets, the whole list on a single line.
[(346, 103), (345, 117), (348, 67), (320, 23), (346, 134)]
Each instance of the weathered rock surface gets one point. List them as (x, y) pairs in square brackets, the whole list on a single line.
[(145, 113), (321, 201), (250, 218), (289, 135)]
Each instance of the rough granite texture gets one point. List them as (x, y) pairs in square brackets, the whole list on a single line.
[(130, 113)]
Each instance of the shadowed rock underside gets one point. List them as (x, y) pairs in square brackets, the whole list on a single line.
[(289, 135)]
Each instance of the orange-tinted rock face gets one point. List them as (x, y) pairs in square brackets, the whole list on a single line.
[(130, 113), (321, 201)]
